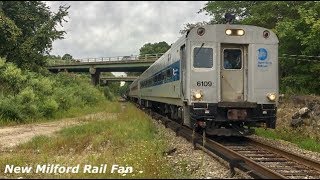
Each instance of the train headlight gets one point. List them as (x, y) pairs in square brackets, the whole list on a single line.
[(197, 95), (271, 96), (228, 32), (240, 32)]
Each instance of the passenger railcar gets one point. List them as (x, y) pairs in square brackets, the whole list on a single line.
[(220, 78)]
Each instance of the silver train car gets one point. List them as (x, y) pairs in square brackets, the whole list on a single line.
[(219, 78)]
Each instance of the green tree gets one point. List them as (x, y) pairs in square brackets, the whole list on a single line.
[(123, 90), (67, 57), (112, 86), (27, 30), (217, 10), (155, 48)]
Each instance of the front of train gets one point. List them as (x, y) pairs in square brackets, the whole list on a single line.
[(233, 80)]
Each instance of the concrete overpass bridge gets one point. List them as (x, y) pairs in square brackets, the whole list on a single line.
[(104, 64), (125, 79), (106, 80)]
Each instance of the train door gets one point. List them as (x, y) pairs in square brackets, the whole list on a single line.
[(183, 70), (233, 76)]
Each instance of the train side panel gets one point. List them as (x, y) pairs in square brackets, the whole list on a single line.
[(162, 81)]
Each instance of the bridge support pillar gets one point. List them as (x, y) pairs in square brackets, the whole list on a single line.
[(95, 76)]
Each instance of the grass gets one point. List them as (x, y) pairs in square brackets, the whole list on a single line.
[(292, 136), (105, 106), (129, 139)]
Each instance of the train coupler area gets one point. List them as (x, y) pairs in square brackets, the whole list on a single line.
[(237, 114), (201, 124)]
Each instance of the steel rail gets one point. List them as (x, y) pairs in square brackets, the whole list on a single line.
[(235, 159), (290, 155)]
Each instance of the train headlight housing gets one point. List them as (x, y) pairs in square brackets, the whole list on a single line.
[(271, 96), (197, 95), (235, 32), (201, 31)]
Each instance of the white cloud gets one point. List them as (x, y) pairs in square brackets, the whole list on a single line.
[(118, 28)]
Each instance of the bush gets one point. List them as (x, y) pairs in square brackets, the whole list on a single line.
[(108, 94), (49, 107), (11, 110), (25, 95), (13, 76)]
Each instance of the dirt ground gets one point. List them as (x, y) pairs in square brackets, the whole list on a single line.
[(14, 135)]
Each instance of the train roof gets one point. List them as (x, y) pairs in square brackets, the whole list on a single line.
[(217, 33)]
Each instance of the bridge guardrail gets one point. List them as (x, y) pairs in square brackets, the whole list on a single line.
[(53, 62)]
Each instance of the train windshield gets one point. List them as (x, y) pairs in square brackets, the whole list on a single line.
[(232, 59), (203, 57)]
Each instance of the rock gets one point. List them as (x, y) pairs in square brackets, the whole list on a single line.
[(304, 112), (296, 115), (296, 122), (311, 105), (316, 110)]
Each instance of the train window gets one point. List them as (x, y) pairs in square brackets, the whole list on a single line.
[(203, 57), (160, 77), (232, 59), (169, 73)]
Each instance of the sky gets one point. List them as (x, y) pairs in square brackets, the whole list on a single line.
[(121, 28)]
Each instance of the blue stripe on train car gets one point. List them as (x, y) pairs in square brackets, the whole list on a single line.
[(174, 69)]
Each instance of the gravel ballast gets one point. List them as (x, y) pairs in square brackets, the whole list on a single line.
[(196, 162)]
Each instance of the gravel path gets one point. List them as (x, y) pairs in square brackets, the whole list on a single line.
[(14, 135)]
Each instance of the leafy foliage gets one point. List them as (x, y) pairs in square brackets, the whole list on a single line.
[(148, 48), (27, 30), (67, 57), (112, 88), (108, 94), (123, 90), (25, 95)]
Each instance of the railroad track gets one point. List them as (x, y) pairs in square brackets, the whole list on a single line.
[(256, 159), (286, 164)]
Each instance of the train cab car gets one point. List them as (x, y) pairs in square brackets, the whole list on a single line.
[(233, 79), (220, 78)]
